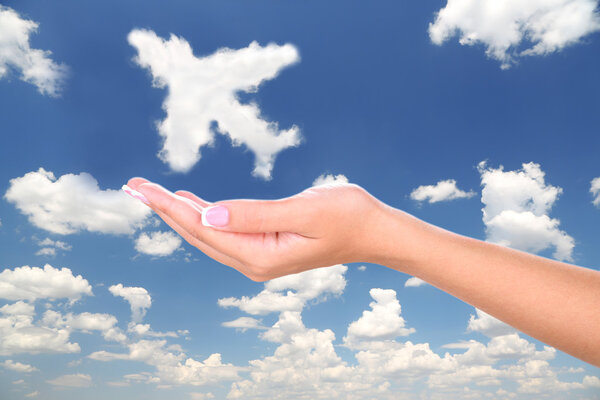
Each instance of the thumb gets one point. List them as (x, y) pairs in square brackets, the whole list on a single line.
[(258, 216)]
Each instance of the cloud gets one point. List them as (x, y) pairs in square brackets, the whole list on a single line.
[(330, 179), (203, 90), (31, 283), (516, 208), (488, 325), (299, 288), (74, 380), (516, 28), (382, 322), (441, 191), (33, 394), (35, 65), (49, 247), (158, 244), (595, 191), (201, 396), (19, 367), (18, 334), (73, 203), (244, 323), (138, 298), (173, 367), (414, 282), (85, 322)]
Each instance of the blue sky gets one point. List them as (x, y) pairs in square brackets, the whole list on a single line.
[(389, 95)]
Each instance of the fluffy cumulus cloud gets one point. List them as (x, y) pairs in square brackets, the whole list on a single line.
[(414, 282), (34, 65), (516, 207), (514, 28), (21, 332), (138, 298), (488, 325), (202, 91), (299, 288), (158, 244), (73, 203), (31, 283), (441, 191), (172, 365), (330, 179), (382, 322), (595, 190)]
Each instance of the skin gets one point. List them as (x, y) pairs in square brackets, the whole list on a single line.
[(555, 302)]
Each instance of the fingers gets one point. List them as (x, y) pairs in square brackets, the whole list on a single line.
[(191, 196), (260, 216), (135, 182), (188, 216)]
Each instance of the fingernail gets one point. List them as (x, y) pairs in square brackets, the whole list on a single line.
[(135, 194), (215, 216)]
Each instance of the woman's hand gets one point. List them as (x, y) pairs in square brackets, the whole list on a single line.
[(318, 227)]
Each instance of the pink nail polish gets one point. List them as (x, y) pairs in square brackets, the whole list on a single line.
[(215, 216), (135, 194)]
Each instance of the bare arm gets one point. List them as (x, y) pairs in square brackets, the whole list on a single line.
[(554, 302)]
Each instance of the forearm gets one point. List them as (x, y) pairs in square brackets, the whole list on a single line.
[(554, 302)]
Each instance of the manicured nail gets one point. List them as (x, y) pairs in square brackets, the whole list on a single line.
[(215, 216), (135, 194)]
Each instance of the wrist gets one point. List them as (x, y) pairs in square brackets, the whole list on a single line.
[(398, 240)]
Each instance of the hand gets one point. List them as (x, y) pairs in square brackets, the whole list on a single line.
[(318, 227)]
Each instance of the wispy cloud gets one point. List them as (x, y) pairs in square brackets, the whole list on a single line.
[(203, 90), (34, 65), (595, 191)]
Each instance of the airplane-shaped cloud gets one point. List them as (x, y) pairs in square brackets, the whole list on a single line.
[(203, 90)]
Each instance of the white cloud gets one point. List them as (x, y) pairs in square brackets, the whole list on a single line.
[(73, 380), (362, 268), (145, 330), (382, 322), (202, 90), (35, 65), (595, 191), (244, 323), (19, 367), (201, 396), (516, 208), (173, 367), (33, 394), (299, 288), (31, 283), (330, 179), (49, 247), (516, 28), (73, 203), (488, 325), (158, 244), (85, 322), (18, 334), (441, 191), (414, 282), (138, 298)]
